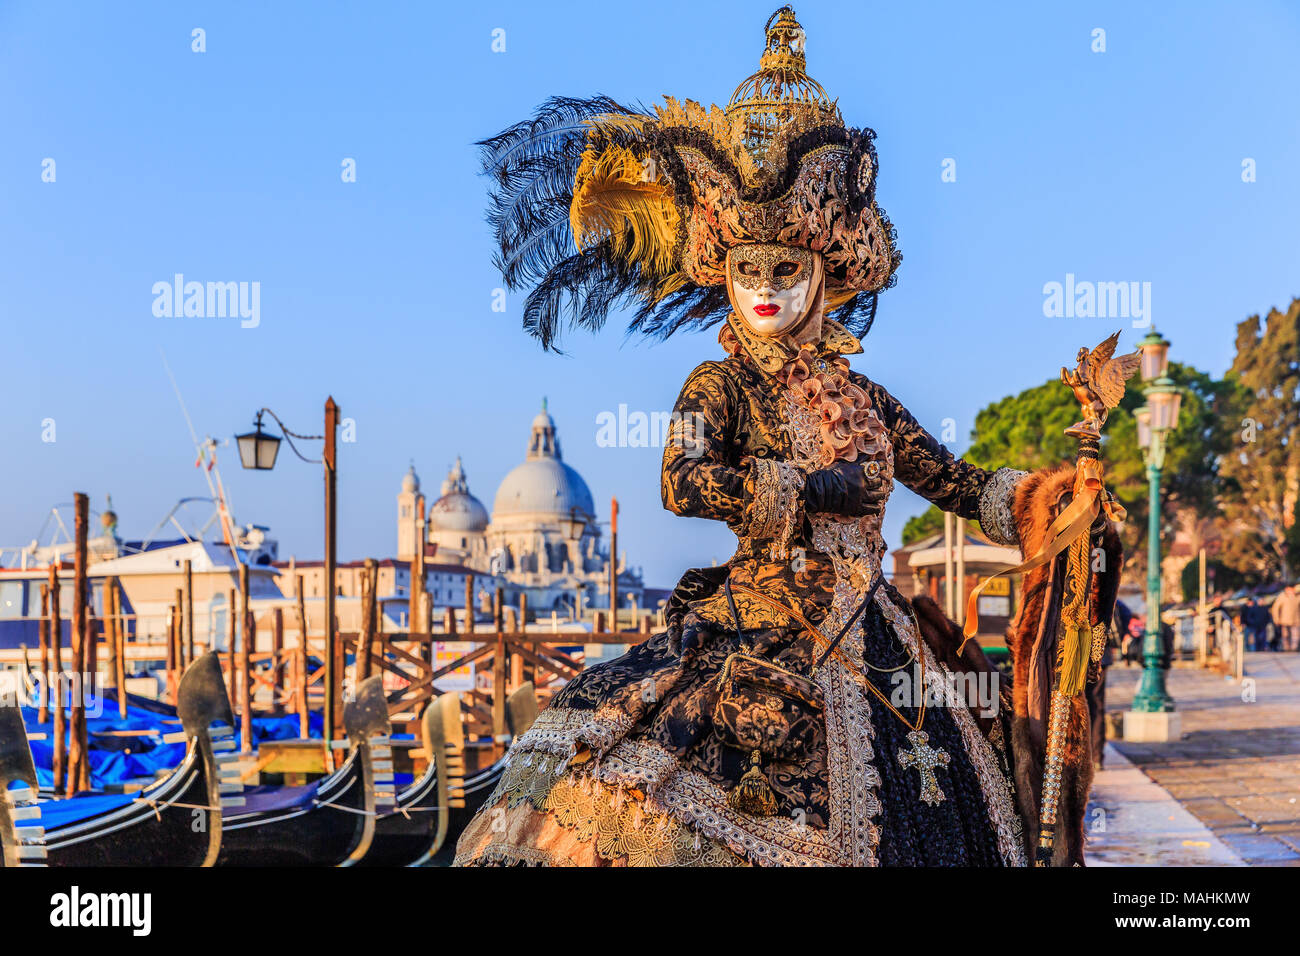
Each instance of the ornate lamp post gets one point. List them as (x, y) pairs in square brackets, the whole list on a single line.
[(1155, 422), (257, 450)]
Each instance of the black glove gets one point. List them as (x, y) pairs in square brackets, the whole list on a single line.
[(843, 489)]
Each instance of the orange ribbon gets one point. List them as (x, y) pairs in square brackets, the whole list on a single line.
[(1090, 496)]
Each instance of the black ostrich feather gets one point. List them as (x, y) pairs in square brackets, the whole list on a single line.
[(581, 288), (532, 165)]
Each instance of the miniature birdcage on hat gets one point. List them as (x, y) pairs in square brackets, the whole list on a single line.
[(781, 94)]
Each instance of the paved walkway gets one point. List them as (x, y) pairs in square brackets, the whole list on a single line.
[(1236, 770), (1134, 822)]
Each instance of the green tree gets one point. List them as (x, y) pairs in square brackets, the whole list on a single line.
[(1220, 578), (1263, 461), (920, 526)]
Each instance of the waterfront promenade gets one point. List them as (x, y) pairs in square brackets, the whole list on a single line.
[(1227, 793)]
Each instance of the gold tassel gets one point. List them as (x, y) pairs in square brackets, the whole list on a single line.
[(1076, 637), (753, 794)]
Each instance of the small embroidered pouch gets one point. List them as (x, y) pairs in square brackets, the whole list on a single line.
[(765, 707)]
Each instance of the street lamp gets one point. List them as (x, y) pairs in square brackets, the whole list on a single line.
[(258, 450), (573, 526), (1155, 422)]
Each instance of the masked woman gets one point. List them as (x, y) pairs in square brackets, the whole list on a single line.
[(792, 713)]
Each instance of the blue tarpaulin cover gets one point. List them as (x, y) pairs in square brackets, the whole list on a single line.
[(264, 797), (116, 759), (61, 813)]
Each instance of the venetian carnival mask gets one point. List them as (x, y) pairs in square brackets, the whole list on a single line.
[(772, 286)]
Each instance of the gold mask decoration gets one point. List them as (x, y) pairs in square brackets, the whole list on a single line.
[(761, 263)]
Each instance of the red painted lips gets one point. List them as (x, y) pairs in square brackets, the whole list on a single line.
[(767, 311)]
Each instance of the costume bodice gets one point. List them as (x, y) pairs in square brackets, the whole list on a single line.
[(741, 444)]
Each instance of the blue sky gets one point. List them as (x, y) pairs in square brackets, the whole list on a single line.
[(225, 166)]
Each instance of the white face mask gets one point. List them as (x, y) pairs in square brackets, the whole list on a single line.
[(771, 285)]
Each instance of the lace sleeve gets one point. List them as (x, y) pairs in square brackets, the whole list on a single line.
[(995, 507)]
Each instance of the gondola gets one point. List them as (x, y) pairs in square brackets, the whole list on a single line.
[(102, 705), (157, 713), (467, 794), (175, 822), (330, 822), (415, 827)]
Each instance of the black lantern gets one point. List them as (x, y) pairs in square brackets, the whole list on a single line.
[(257, 449), (573, 526)]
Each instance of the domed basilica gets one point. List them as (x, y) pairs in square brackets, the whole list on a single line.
[(542, 537)]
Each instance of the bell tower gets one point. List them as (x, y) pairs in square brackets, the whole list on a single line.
[(408, 500)]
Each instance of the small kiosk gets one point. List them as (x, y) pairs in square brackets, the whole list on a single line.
[(925, 567)]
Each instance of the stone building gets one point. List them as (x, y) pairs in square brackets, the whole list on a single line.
[(542, 538)]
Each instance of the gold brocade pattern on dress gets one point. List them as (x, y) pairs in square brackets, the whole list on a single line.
[(617, 778)]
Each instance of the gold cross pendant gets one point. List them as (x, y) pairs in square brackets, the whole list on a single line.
[(925, 759)]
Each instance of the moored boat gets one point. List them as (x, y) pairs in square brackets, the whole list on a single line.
[(330, 822), (175, 822)]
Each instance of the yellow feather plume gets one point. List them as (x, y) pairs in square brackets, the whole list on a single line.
[(615, 196)]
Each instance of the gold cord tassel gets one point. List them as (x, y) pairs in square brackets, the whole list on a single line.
[(1076, 629), (753, 794)]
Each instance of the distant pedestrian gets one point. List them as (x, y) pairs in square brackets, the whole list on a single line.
[(1286, 618), (1254, 619), (1131, 648)]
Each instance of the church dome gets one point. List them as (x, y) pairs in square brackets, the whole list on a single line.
[(457, 509), (546, 485), (543, 482)]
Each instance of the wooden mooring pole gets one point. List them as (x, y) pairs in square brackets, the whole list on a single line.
[(181, 659), (469, 604), (416, 610), (113, 595), (78, 756), (60, 763), (232, 633), (516, 661), (304, 665), (246, 638), (366, 639), (92, 646), (189, 610), (277, 662), (110, 637), (43, 715), (333, 670), (171, 653)]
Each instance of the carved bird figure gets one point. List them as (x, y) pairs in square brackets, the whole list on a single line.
[(1098, 380)]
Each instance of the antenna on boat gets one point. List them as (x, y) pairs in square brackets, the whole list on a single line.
[(206, 448)]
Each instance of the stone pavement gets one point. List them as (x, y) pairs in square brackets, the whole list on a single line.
[(1133, 822), (1236, 769)]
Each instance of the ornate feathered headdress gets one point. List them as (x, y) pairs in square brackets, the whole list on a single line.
[(597, 205)]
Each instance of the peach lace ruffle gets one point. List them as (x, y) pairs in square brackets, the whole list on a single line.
[(849, 427)]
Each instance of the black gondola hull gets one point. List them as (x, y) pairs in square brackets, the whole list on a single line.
[(325, 833), (167, 829)]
